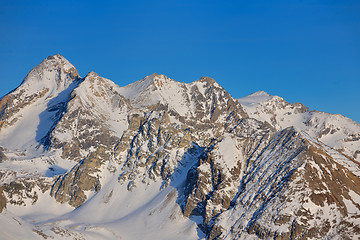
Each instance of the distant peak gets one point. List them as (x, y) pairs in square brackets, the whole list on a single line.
[(255, 98), (260, 93)]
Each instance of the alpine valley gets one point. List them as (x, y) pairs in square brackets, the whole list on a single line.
[(82, 158)]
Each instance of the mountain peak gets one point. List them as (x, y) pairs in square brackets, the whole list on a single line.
[(55, 73), (157, 79), (255, 98), (260, 93), (92, 74), (154, 75), (207, 79), (153, 81), (61, 62)]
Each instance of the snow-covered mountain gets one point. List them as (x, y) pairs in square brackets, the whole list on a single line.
[(82, 158), (336, 131)]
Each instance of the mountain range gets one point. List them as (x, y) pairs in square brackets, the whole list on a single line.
[(82, 158)]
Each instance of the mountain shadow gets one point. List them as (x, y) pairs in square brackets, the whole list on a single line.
[(56, 108), (183, 176)]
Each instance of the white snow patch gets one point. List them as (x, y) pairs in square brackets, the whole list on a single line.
[(227, 153)]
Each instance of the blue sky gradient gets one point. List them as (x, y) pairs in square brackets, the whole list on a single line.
[(304, 51)]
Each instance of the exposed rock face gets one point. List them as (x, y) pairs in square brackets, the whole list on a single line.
[(2, 200), (161, 153), (305, 199), (21, 190), (72, 186), (10, 105), (221, 183), (2, 155)]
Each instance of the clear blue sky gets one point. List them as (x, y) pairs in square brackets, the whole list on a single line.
[(304, 51)]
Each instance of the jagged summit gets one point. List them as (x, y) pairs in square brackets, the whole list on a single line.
[(184, 100), (162, 82)]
